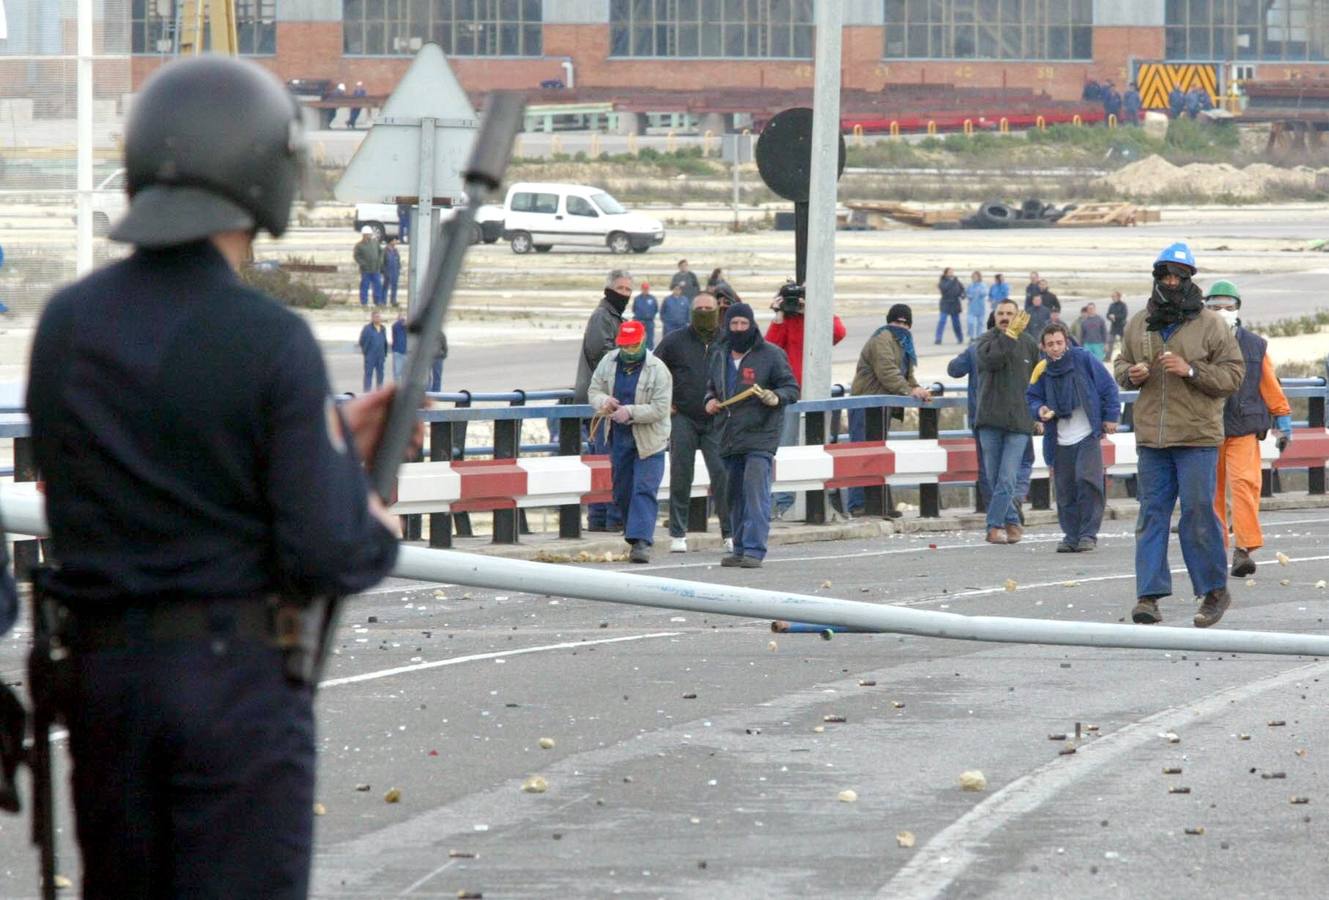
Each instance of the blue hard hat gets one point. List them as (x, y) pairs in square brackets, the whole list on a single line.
[(1179, 253)]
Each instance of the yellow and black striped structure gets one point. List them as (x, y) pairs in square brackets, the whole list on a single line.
[(1156, 81)]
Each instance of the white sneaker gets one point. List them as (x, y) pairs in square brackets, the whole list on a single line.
[(728, 545), (678, 545)]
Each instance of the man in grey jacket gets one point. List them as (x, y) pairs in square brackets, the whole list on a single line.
[(1006, 357), (597, 340), (633, 390)]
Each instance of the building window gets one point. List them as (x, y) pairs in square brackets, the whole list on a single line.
[(460, 27), (990, 29), (153, 25), (1269, 30), (729, 29)]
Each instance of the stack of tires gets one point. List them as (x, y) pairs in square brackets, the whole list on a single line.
[(1032, 213)]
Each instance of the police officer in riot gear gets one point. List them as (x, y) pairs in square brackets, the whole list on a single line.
[(204, 493)]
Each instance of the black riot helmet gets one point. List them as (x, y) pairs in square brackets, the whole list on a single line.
[(214, 144)]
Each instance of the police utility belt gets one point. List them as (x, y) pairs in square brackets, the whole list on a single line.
[(297, 629)]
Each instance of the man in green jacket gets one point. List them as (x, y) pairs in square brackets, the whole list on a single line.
[(368, 257), (1184, 361), (1006, 357)]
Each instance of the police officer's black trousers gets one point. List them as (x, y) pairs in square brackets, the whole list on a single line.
[(193, 770)]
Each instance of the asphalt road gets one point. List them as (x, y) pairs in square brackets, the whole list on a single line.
[(692, 756)]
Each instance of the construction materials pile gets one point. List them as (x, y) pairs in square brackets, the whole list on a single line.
[(1154, 176), (1031, 213)]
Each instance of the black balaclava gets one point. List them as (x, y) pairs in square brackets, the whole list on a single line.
[(616, 300), (1171, 306)]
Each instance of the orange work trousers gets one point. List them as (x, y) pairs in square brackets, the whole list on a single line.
[(1239, 472)]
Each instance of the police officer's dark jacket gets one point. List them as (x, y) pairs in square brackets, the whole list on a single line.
[(189, 444), (750, 426)]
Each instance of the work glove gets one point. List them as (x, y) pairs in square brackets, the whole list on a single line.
[(1284, 426), (770, 398), (1017, 326)]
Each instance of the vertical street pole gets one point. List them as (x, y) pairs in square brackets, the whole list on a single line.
[(422, 229), (83, 240), (733, 163), (817, 320)]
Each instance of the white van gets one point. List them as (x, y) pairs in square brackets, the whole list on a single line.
[(536, 216)]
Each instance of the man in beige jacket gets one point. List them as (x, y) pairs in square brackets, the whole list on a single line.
[(1184, 361), (633, 390)]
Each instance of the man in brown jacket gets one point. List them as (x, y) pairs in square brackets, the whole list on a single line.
[(886, 366), (1184, 361)]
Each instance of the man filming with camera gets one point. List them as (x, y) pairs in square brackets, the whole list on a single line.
[(786, 332)]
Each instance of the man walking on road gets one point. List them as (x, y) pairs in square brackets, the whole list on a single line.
[(949, 305), (759, 373), (1248, 414), (1091, 331), (1185, 362), (1117, 315), (632, 389), (368, 256), (1030, 289), (885, 366), (686, 279), (599, 338), (391, 270), (1077, 401), (686, 352), (1006, 357), (374, 346)]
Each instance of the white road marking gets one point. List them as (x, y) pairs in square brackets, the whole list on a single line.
[(419, 882), (476, 657), (952, 850)]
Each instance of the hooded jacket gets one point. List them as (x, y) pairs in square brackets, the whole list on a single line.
[(1174, 411), (596, 341), (650, 412), (751, 426)]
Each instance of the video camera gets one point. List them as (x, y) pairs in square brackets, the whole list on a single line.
[(791, 298)]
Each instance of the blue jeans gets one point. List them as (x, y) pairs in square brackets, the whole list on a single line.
[(436, 376), (373, 369), (1002, 453), (602, 515), (955, 323), (398, 364), (749, 502), (368, 281), (390, 288), (1026, 472), (1192, 474), (1078, 472), (637, 489)]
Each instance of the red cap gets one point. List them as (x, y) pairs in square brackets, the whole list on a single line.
[(645, 287), (631, 333)]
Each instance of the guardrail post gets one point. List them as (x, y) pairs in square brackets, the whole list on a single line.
[(1040, 493), (876, 421), (412, 526), (929, 495), (461, 521), (507, 441), (1315, 419), (522, 526), (569, 444), (27, 554), (814, 435), (440, 450), (1128, 421)]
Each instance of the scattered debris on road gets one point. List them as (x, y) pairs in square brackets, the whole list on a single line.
[(534, 785), (905, 839), (847, 796), (320, 809), (973, 780), (546, 743), (392, 796)]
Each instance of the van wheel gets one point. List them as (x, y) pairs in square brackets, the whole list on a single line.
[(380, 233), (640, 249), (521, 242), (543, 248), (101, 223), (619, 243), (477, 235)]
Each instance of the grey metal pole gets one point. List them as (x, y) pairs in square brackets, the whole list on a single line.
[(817, 320), (23, 514), (422, 235), (84, 152)]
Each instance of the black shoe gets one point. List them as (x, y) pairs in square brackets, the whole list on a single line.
[(603, 528), (1146, 612), (1086, 545), (1065, 547), (1019, 511), (857, 512), (731, 562), (1212, 609), (892, 513), (1242, 564), (640, 553), (749, 562)]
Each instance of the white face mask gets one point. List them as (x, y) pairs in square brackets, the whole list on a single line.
[(1231, 317)]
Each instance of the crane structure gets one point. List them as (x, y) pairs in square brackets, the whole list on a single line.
[(213, 18)]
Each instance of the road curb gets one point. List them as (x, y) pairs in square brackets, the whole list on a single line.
[(611, 548)]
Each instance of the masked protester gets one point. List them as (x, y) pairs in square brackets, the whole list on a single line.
[(1184, 362), (1248, 415), (750, 427), (633, 389), (599, 338), (1077, 401), (687, 352)]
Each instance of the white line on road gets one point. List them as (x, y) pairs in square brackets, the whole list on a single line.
[(946, 857), (476, 657)]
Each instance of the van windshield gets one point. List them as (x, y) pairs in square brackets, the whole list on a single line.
[(608, 205)]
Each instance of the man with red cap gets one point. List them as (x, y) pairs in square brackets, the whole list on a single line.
[(644, 309), (633, 390)]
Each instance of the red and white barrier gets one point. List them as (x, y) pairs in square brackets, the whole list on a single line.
[(474, 485)]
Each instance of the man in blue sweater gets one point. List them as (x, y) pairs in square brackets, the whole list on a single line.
[(1077, 401)]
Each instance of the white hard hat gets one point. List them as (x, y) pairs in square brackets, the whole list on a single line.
[(366, 230)]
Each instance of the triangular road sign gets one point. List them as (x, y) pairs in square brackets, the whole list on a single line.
[(387, 163)]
